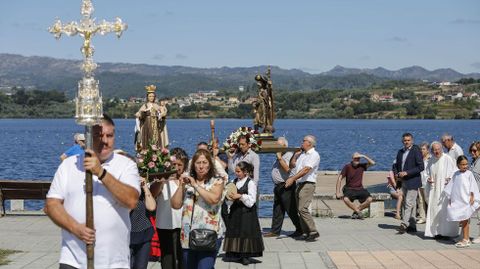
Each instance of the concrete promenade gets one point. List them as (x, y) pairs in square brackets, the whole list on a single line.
[(344, 243)]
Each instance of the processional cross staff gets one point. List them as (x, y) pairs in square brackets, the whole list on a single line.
[(88, 103)]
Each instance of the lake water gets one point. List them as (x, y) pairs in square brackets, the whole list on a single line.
[(30, 148)]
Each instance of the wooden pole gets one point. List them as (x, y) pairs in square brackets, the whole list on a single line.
[(89, 198), (212, 128)]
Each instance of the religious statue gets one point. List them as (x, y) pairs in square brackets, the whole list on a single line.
[(149, 122), (263, 106)]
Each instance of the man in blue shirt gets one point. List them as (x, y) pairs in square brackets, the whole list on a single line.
[(76, 149)]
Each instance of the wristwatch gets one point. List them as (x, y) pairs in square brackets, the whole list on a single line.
[(104, 173)]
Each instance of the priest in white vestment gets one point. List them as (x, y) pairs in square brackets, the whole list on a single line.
[(440, 170)]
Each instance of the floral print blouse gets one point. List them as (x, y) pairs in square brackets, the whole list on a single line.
[(206, 216)]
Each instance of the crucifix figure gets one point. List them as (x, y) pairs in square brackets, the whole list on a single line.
[(89, 108)]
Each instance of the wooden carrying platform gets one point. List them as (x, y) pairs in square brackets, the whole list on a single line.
[(269, 145), (22, 189)]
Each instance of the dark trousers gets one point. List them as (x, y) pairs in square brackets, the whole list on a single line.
[(284, 201), (66, 266), (171, 249), (139, 255)]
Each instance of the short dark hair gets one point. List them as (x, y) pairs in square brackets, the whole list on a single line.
[(202, 143), (243, 137), (407, 134), (461, 158), (108, 120)]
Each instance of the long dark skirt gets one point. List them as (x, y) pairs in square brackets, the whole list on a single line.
[(243, 237)]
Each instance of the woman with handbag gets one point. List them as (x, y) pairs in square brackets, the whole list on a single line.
[(201, 195), (243, 238)]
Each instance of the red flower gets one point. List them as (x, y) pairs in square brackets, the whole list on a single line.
[(259, 142)]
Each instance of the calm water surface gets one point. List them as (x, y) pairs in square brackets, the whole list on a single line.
[(30, 149)]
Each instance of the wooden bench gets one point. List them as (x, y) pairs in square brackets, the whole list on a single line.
[(23, 189)]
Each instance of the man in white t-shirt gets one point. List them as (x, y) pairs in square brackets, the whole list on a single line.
[(116, 188), (305, 164)]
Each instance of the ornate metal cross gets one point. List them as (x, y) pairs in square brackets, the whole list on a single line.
[(89, 102)]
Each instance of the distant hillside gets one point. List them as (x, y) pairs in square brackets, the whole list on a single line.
[(412, 72), (124, 80)]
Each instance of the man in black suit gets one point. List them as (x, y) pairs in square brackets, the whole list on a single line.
[(408, 166)]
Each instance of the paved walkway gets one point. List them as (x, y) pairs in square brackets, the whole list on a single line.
[(344, 243)]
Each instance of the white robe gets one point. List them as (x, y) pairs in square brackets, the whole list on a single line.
[(458, 191), (439, 170)]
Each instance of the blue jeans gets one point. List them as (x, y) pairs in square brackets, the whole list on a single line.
[(200, 259)]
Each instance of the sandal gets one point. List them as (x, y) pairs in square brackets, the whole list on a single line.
[(398, 217), (476, 240), (463, 243)]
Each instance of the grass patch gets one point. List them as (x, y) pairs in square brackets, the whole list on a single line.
[(3, 255)]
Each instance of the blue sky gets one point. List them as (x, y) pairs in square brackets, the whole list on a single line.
[(311, 35)]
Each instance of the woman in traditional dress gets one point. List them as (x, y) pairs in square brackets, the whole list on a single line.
[(148, 115), (243, 237), (201, 196), (440, 170), (463, 199)]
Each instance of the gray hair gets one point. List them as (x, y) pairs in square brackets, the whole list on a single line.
[(435, 143), (311, 139), (283, 140)]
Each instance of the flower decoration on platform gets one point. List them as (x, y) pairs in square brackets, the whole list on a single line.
[(249, 133), (155, 161)]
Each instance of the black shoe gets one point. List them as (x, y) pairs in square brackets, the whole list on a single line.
[(355, 215), (245, 261), (295, 234), (402, 229), (301, 237), (312, 237), (411, 230)]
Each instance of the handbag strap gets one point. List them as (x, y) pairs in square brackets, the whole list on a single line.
[(193, 207)]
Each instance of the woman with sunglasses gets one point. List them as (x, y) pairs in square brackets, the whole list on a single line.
[(474, 151)]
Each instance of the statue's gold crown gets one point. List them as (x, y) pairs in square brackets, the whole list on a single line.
[(258, 77), (150, 88)]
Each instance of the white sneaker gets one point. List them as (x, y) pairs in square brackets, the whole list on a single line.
[(476, 240)]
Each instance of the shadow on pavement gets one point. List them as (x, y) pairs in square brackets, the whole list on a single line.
[(388, 226)]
